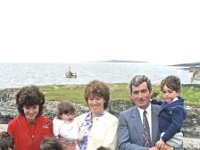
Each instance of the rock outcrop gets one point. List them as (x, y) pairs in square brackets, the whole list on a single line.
[(8, 110)]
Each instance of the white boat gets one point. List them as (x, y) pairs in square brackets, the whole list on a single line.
[(70, 74)]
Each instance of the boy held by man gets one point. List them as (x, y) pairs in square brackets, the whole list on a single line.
[(172, 114)]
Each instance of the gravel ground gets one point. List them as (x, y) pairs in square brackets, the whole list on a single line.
[(192, 143)]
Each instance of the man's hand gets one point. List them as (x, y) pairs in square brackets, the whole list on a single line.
[(166, 147), (160, 143), (153, 148)]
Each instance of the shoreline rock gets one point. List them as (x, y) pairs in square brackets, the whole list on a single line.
[(191, 127)]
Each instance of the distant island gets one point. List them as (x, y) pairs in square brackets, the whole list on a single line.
[(124, 61), (192, 67), (195, 64)]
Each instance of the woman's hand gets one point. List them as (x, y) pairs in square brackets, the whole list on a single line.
[(70, 146)]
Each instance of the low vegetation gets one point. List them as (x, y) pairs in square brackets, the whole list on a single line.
[(119, 91), (191, 94)]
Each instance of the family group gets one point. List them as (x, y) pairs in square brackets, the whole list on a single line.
[(150, 124)]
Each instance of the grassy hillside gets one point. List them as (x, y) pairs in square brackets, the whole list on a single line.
[(119, 91)]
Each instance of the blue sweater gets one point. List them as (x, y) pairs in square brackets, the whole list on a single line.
[(171, 117)]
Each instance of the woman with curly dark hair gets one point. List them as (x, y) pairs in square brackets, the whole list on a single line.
[(30, 126)]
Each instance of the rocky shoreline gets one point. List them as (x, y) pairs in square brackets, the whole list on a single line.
[(191, 127)]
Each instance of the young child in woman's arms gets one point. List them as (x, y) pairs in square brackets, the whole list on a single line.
[(64, 127)]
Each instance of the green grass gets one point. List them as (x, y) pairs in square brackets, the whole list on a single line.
[(119, 91), (72, 93), (190, 94)]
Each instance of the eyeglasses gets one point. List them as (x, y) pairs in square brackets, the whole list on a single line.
[(143, 91)]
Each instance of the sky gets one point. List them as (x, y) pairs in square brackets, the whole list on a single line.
[(73, 31)]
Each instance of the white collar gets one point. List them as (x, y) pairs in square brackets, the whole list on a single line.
[(148, 109)]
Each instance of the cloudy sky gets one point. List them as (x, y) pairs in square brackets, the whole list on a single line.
[(62, 31)]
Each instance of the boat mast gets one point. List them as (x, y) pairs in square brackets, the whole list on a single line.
[(69, 68)]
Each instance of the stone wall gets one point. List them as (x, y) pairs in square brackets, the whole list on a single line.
[(8, 110)]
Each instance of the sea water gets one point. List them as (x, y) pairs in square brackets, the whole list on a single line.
[(14, 75)]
